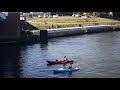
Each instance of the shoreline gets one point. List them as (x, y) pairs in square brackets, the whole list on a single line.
[(62, 32)]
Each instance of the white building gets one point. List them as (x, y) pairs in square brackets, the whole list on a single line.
[(36, 14)]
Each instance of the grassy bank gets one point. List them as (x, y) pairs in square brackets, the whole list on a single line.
[(69, 21)]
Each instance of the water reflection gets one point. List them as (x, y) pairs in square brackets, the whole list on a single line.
[(9, 61), (44, 46), (98, 55)]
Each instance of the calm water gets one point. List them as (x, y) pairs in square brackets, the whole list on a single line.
[(97, 56)]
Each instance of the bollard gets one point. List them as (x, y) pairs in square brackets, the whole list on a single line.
[(43, 36), (80, 25)]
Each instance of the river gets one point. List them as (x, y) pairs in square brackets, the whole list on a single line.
[(97, 55)]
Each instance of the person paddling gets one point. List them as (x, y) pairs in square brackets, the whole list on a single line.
[(65, 64), (70, 65), (65, 59)]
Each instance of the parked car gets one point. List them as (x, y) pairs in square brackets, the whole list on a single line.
[(77, 15), (55, 16), (40, 16), (45, 16)]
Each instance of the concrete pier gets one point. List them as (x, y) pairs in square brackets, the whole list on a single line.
[(59, 32), (65, 32), (99, 28), (43, 36)]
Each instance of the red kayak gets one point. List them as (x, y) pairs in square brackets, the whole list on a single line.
[(59, 61)]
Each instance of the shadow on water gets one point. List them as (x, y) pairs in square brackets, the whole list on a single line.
[(45, 46), (50, 64), (66, 73), (70, 73), (9, 61)]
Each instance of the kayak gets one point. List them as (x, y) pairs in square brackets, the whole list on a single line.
[(62, 70), (59, 61)]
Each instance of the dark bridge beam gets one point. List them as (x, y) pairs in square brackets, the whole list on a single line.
[(10, 30)]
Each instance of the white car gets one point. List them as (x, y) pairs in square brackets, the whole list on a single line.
[(55, 16), (45, 16), (40, 16), (77, 15)]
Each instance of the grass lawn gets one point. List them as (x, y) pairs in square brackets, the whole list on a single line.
[(69, 21)]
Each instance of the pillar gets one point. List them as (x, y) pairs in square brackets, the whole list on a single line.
[(43, 36), (13, 25)]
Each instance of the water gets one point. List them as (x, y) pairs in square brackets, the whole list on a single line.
[(97, 56)]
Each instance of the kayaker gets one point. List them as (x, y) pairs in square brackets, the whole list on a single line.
[(70, 65), (67, 65), (65, 58)]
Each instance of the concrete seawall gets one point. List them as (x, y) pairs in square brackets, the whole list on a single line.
[(65, 32), (43, 36), (59, 32), (99, 28)]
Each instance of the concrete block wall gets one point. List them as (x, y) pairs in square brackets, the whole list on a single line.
[(79, 30), (99, 28), (65, 32)]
